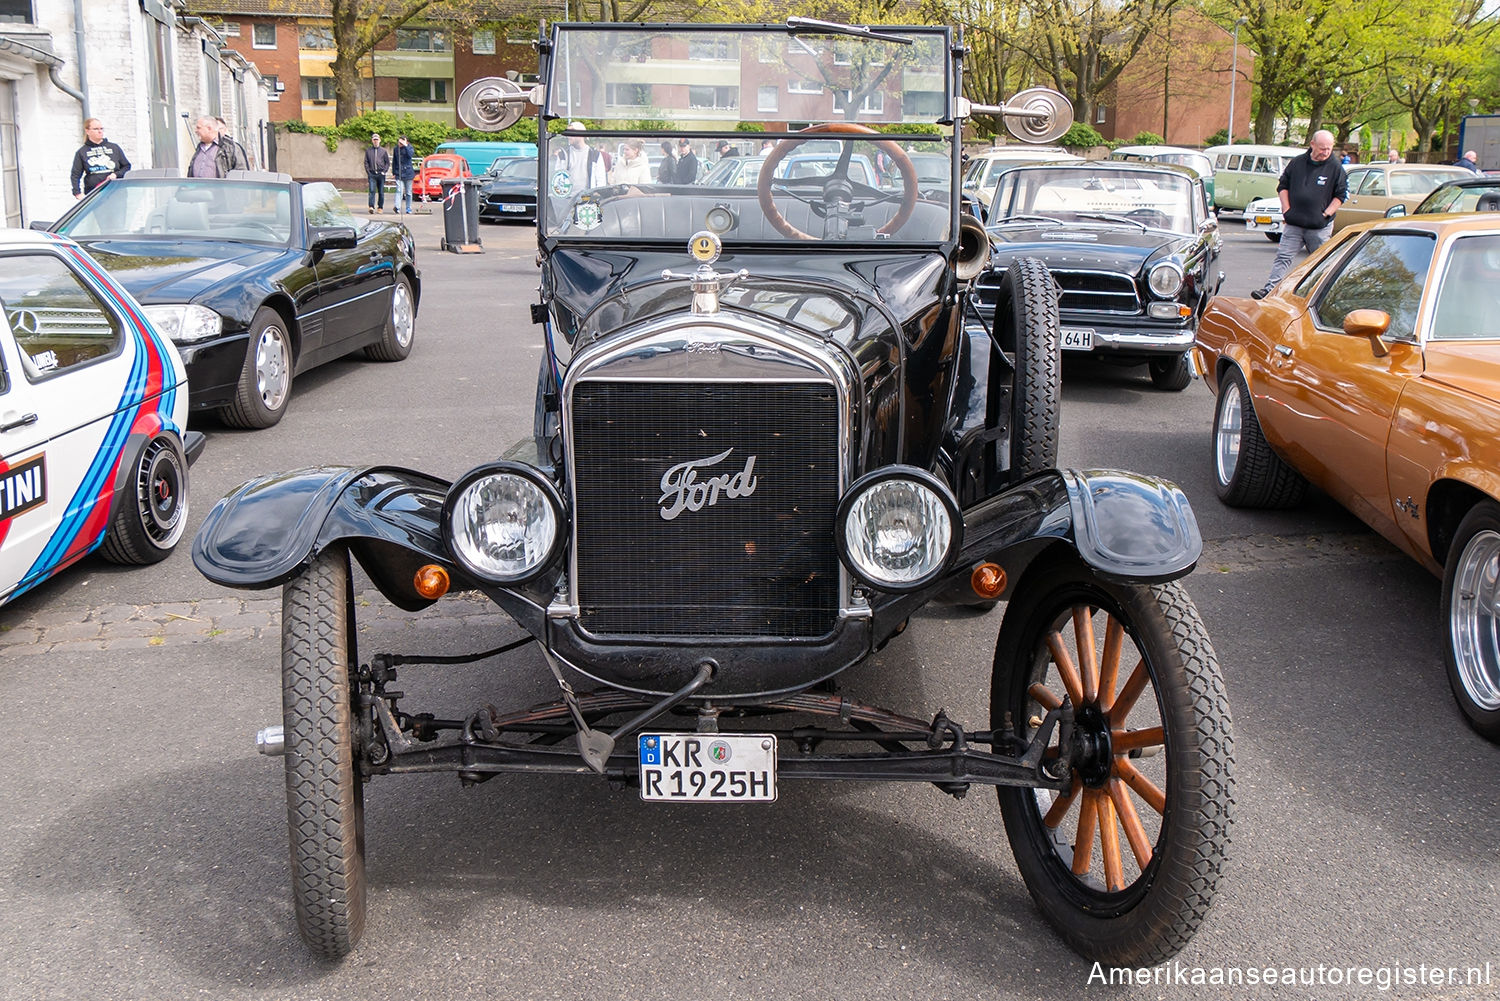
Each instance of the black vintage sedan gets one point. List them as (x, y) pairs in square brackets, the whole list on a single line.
[(1131, 245), (255, 277)]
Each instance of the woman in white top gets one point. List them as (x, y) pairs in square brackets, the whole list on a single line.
[(632, 167)]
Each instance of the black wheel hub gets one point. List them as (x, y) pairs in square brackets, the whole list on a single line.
[(1093, 756)]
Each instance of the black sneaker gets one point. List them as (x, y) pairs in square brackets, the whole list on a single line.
[(1259, 293)]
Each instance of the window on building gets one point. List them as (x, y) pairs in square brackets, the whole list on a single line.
[(710, 47), (229, 29), (212, 90), (317, 88), (796, 86), (872, 104), (483, 43), (922, 104), (715, 98), (421, 40), (274, 87), (1101, 114), (315, 36), (421, 90), (628, 95), (263, 36), (766, 97), (16, 12)]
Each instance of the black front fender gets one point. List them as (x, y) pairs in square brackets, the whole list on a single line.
[(263, 532)]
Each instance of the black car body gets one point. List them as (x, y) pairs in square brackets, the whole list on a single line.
[(255, 277), (1132, 246), (763, 438), (509, 193), (1480, 193)]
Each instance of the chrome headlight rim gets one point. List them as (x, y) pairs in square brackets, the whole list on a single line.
[(912, 474), (1172, 279), (534, 477)]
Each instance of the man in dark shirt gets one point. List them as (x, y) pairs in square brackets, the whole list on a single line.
[(212, 158), (97, 160), (667, 172), (1311, 189), (686, 171)]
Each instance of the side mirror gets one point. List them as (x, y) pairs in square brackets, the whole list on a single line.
[(333, 238), (42, 224), (1370, 323), (1395, 212)]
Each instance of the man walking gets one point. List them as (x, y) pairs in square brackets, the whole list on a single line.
[(1311, 189), (97, 160), (405, 168), (377, 165), (212, 157)]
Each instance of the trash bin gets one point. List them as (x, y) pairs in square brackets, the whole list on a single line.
[(461, 215)]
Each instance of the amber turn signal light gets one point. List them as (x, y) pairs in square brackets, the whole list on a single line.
[(988, 581), (431, 581)]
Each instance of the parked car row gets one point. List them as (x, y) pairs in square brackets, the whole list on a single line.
[(156, 299)]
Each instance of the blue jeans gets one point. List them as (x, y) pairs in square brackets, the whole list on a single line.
[(377, 190), (403, 194)]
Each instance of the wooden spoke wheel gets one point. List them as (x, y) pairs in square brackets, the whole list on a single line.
[(909, 185), (1126, 861)]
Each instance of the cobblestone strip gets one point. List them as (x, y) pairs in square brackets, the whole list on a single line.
[(207, 620)]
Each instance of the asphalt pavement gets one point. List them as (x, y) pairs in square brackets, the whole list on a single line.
[(143, 849)]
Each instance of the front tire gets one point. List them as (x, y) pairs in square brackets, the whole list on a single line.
[(1153, 756), (1274, 237), (266, 380), (324, 792), (400, 326), (148, 524), (1471, 597), (1170, 374), (1246, 472)]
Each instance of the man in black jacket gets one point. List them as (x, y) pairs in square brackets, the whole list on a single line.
[(97, 160), (686, 171), (377, 165), (1311, 189)]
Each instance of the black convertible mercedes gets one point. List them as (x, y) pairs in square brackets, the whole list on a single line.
[(255, 277)]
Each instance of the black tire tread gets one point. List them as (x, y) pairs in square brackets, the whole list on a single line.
[(324, 799), (246, 409), (1171, 374), (386, 349), (1261, 478), (1037, 410)]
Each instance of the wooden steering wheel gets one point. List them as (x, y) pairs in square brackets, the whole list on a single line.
[(896, 153)]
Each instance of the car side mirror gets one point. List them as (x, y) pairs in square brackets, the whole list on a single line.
[(42, 224), (333, 238), (1371, 323), (1395, 211)]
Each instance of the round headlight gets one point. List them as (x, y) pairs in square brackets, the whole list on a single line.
[(899, 528), (503, 522), (1165, 279)]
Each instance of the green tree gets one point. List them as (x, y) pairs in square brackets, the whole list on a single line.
[(1447, 48)]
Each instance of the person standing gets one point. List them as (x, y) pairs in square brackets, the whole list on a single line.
[(1470, 159), (1392, 156), (687, 163), (97, 160), (1311, 189), (225, 139), (666, 173), (584, 164), (632, 167), (377, 165), (212, 158), (405, 169)]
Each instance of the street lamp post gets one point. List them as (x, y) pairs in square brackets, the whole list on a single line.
[(1234, 77)]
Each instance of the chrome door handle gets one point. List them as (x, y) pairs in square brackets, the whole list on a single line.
[(1283, 350), (24, 421)]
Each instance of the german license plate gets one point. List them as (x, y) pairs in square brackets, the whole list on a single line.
[(513, 207), (1078, 338), (708, 768), (1262, 220)]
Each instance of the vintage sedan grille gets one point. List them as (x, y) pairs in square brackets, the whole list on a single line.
[(1088, 291), (759, 564)]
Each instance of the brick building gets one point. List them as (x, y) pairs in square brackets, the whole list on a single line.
[(419, 69)]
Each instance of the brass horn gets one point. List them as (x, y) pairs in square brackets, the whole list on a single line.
[(973, 253)]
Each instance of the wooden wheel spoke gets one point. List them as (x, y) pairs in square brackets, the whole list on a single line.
[(1083, 844), (1083, 636), (1125, 741), (1134, 686), (1044, 697), (1065, 668), (1109, 844), (1109, 663), (1144, 787), (1061, 805), (1131, 822)]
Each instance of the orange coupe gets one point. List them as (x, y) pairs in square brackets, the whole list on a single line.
[(1373, 372)]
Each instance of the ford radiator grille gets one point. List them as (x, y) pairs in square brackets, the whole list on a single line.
[(705, 508)]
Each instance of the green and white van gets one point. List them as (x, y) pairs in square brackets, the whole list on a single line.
[(1244, 172)]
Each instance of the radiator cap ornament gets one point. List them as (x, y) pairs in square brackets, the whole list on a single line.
[(704, 246)]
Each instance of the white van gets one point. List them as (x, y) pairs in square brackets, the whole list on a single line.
[(1243, 173)]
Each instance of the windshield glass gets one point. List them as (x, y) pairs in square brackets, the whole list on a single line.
[(662, 133), (1151, 198), (186, 207)]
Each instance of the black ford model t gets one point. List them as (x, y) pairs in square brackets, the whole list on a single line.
[(768, 429)]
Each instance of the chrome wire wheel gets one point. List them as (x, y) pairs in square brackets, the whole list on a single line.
[(1473, 600), (272, 366), (1227, 433)]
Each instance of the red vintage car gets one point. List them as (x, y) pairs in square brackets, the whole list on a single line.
[(428, 182)]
